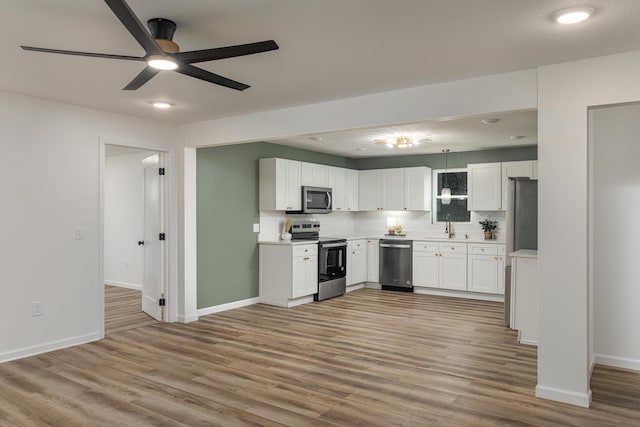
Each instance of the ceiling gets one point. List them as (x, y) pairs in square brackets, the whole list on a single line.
[(329, 49)]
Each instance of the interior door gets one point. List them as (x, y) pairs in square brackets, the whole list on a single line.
[(153, 279)]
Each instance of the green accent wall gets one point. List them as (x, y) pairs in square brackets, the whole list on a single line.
[(454, 160), (227, 206)]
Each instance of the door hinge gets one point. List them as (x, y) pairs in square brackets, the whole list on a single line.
[(162, 302), (161, 171), (161, 236)]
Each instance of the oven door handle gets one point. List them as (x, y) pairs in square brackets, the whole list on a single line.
[(333, 245)]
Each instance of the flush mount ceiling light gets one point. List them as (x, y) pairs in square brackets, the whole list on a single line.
[(316, 138), (161, 62), (573, 15), (162, 104), (490, 121), (516, 137), (400, 141)]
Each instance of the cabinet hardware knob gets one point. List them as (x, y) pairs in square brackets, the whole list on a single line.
[(482, 249)]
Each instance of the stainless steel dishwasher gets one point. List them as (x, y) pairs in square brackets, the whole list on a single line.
[(396, 265)]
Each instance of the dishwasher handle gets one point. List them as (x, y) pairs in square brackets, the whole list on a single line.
[(387, 245)]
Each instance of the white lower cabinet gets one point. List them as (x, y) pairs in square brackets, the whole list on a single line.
[(356, 261), (372, 260), (288, 274), (440, 265), (486, 268)]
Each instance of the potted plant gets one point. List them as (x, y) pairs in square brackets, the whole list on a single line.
[(488, 226)]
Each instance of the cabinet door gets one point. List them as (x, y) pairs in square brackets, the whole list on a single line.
[(425, 269), (500, 264), (534, 173), (311, 275), (452, 269), (417, 189), (315, 175), (352, 189), (370, 190), (357, 266), (299, 277), (393, 189), (293, 187), (512, 170), (338, 183), (483, 274), (372, 260), (485, 186)]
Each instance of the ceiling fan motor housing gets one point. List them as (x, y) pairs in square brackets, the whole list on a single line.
[(162, 30)]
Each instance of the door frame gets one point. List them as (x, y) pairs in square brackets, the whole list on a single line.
[(170, 208)]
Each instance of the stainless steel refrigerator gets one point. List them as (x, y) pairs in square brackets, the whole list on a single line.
[(522, 227)]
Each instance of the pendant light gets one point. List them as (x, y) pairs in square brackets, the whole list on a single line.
[(445, 193)]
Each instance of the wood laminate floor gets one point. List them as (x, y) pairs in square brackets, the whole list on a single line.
[(123, 310), (370, 358)]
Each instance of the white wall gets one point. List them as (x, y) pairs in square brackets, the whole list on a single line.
[(49, 166), (616, 200), (124, 220), (565, 92)]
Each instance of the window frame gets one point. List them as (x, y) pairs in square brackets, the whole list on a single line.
[(434, 192)]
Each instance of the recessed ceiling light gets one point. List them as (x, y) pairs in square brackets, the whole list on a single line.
[(490, 121), (161, 62), (361, 149), (317, 138), (516, 136), (162, 105), (573, 15)]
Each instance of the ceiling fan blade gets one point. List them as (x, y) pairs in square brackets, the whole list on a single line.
[(144, 76), (124, 13), (226, 52), (90, 54), (199, 73)]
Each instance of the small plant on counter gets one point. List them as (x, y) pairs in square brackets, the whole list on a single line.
[(488, 226)]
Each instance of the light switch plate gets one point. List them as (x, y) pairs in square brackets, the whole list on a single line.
[(78, 232), (256, 228)]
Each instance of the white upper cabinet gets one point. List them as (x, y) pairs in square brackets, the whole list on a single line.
[(370, 190), (314, 175), (417, 189), (338, 184), (280, 185), (485, 186), (352, 189), (513, 170), (395, 189), (393, 193)]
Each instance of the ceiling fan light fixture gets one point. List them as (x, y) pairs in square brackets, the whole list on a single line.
[(161, 62), (573, 15)]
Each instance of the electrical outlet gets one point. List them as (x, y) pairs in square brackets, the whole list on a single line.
[(37, 309), (126, 265), (256, 228)]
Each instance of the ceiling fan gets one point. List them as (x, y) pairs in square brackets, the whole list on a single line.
[(163, 54)]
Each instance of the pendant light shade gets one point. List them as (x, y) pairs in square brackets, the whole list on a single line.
[(445, 193)]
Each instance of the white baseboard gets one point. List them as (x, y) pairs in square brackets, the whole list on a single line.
[(529, 342), (458, 294), (123, 284), (617, 362), (372, 285), (227, 306), (49, 346), (564, 396), (187, 318), (355, 287)]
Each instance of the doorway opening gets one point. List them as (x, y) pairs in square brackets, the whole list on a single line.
[(133, 238)]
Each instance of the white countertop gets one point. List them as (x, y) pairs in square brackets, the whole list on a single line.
[(287, 242), (454, 239), (525, 253)]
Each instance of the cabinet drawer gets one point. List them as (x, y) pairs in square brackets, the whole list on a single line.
[(483, 249), (453, 248), (305, 250), (420, 246)]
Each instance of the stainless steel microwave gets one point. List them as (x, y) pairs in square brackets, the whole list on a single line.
[(316, 200)]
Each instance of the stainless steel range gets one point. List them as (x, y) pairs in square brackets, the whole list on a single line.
[(332, 259)]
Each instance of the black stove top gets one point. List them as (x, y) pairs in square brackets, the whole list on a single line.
[(320, 239)]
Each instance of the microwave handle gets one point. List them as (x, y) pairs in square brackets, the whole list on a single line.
[(328, 199)]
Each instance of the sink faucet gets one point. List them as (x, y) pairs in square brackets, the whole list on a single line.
[(449, 228)]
